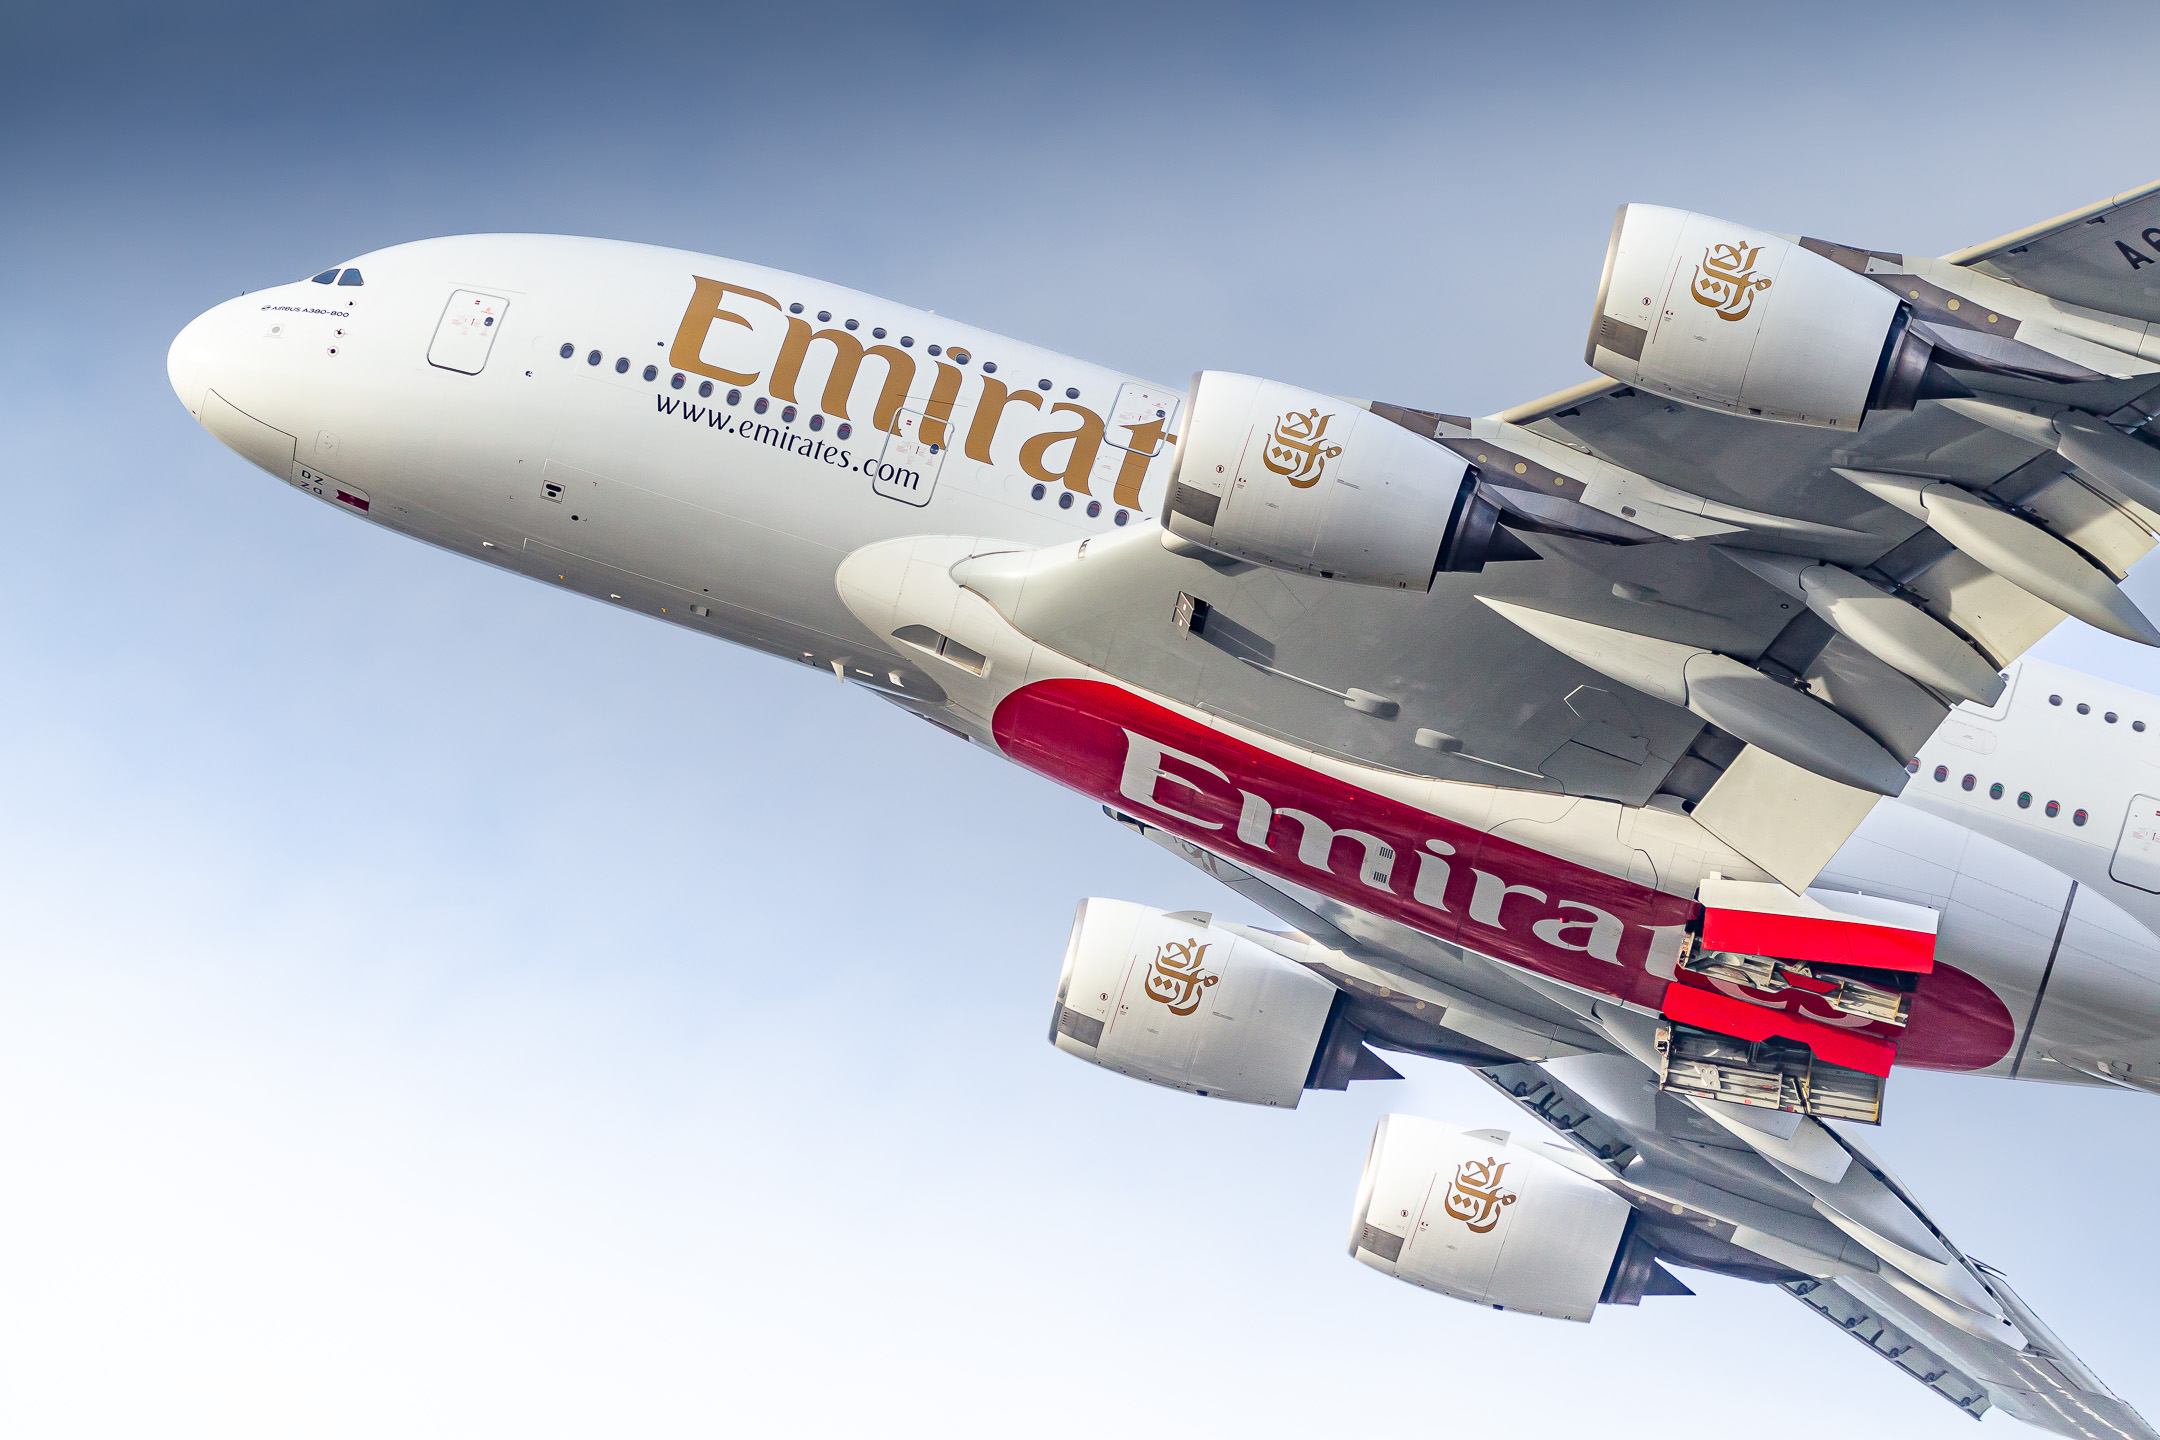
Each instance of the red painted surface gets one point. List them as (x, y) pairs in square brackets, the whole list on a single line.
[(1799, 937), (1805, 1007), (1957, 1023), (1557, 918), (1728, 1016)]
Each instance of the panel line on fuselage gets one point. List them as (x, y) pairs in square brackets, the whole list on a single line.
[(2047, 971)]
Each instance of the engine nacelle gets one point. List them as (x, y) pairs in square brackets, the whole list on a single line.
[(1301, 481), (1471, 1215), (1170, 999), (1736, 319)]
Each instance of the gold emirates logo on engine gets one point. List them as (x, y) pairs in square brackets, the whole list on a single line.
[(1176, 979), (1475, 1196), (1726, 281), (1298, 450)]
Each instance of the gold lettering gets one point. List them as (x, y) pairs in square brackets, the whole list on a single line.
[(848, 355), (1086, 442), (1134, 468), (697, 322), (1298, 450), (1176, 979), (988, 412), (1726, 281), (937, 410), (1475, 1197)]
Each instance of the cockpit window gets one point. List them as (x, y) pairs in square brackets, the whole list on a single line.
[(328, 277), (351, 277)]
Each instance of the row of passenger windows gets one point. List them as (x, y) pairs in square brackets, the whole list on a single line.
[(1065, 502), (2052, 809), (677, 380), (2111, 717), (347, 276), (954, 353), (957, 355)]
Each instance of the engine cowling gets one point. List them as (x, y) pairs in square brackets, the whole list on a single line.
[(1301, 481), (1469, 1214), (1737, 319), (1173, 1000)]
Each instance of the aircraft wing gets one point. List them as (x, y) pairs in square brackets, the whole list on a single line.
[(2105, 256), (1480, 680), (1757, 1195), (1849, 1250), (1634, 527), (1632, 531)]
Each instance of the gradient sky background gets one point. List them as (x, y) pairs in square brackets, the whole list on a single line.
[(433, 1005)]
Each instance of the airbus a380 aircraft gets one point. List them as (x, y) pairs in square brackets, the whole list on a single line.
[(1560, 737)]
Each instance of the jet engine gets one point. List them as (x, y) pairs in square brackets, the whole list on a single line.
[(1172, 999), (1469, 1214), (1301, 481), (1736, 319)]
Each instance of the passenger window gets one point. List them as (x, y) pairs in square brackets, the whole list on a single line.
[(351, 277), (327, 277)]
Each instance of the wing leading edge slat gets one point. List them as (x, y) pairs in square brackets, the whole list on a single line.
[(2104, 256)]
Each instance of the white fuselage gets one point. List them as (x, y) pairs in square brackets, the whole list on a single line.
[(680, 435)]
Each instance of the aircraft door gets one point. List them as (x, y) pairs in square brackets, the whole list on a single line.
[(1137, 436), (2136, 861), (1142, 418), (466, 332), (906, 467)]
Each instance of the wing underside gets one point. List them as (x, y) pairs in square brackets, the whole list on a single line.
[(1792, 1203), (1447, 684), (1972, 520)]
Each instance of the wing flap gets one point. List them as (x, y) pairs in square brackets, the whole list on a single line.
[(1785, 819)]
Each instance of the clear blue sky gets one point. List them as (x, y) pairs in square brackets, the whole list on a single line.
[(432, 1005)]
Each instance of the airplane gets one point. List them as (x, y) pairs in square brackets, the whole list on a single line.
[(1664, 751)]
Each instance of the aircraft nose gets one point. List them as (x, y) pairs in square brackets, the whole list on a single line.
[(230, 388), (192, 359)]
